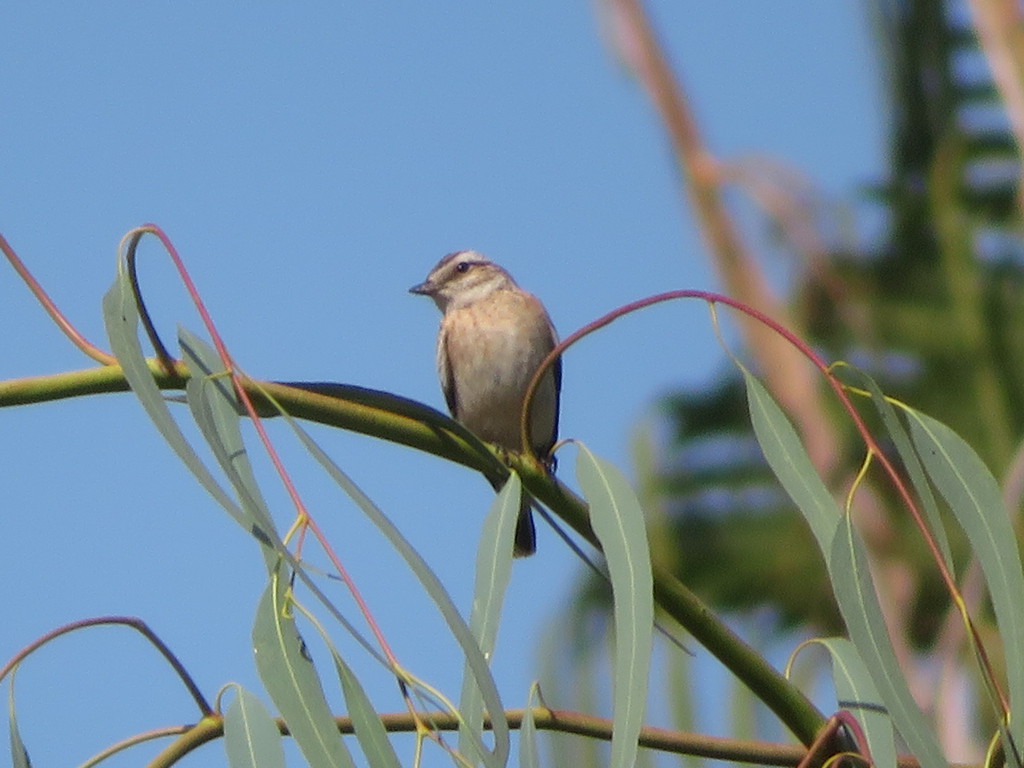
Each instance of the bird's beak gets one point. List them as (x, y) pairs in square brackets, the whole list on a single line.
[(423, 289)]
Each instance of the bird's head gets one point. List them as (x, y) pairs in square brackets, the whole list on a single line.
[(461, 278)]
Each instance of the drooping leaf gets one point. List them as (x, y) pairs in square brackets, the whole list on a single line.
[(121, 318), (847, 567), (975, 500), (855, 593), (369, 729), (912, 466), (528, 756), (493, 571), (434, 589), (856, 692), (19, 753), (618, 522), (215, 407), (286, 670), (251, 737), (790, 463)]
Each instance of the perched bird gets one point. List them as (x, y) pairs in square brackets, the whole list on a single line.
[(493, 338)]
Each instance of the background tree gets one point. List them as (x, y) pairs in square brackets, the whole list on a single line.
[(925, 292), (346, 300)]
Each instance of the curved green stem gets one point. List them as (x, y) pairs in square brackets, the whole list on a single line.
[(407, 422)]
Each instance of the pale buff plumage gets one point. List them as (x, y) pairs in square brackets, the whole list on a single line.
[(493, 338)]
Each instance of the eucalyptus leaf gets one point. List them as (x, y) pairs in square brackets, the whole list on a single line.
[(215, 407), (368, 727), (975, 500), (528, 753), (435, 590), (286, 670), (251, 736), (912, 466), (121, 317), (19, 753), (493, 571), (856, 692), (618, 522), (847, 567)]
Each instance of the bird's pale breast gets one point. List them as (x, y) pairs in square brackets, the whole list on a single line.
[(489, 351)]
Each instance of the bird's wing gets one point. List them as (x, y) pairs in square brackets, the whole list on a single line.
[(556, 375), (444, 372), (556, 369)]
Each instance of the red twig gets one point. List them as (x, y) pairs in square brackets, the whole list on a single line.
[(128, 621), (56, 315), (236, 377), (837, 387)]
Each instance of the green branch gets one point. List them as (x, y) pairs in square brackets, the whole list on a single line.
[(407, 422)]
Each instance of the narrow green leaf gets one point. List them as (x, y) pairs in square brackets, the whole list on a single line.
[(790, 463), (19, 753), (221, 416), (847, 567), (618, 522), (215, 407), (681, 691), (493, 571), (858, 603), (369, 728), (288, 674), (565, 669), (121, 318), (435, 591), (973, 496), (251, 737), (912, 466), (856, 693), (528, 753)]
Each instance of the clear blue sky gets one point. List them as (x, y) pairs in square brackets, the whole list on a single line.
[(311, 161)]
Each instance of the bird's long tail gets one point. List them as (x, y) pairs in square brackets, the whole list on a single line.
[(526, 535)]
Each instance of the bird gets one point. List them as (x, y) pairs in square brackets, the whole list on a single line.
[(493, 338)]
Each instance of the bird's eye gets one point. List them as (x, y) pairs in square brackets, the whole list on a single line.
[(463, 267)]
